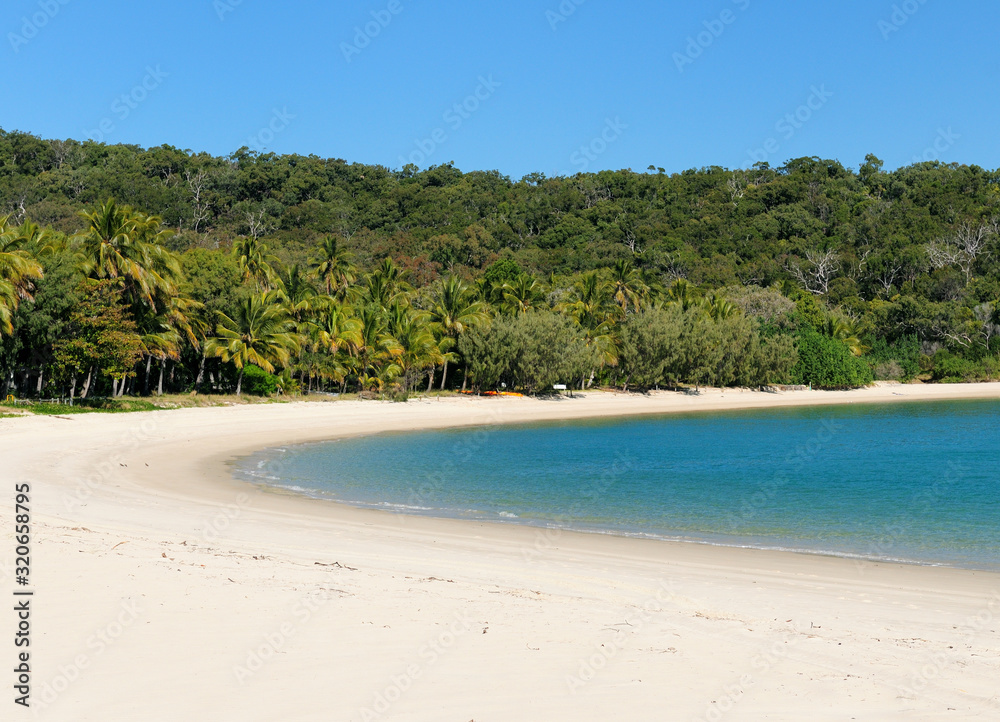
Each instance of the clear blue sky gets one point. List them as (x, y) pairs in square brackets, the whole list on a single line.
[(553, 79)]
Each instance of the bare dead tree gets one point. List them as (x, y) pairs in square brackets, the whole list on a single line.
[(258, 224), (857, 271), (628, 232), (887, 275), (970, 242), (815, 275), (672, 269), (18, 211), (347, 226), (196, 184), (986, 315), (737, 185), (943, 254)]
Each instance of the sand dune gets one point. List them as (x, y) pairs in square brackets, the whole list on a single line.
[(165, 590)]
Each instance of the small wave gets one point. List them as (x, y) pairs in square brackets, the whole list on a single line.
[(406, 507), (508, 515)]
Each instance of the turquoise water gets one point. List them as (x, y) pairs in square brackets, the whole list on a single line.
[(911, 482)]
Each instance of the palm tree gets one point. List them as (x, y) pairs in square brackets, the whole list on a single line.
[(521, 295), (255, 262), (121, 243), (162, 344), (719, 308), (334, 267), (386, 283), (417, 349), (627, 288), (262, 334), (455, 310), (845, 329), (333, 336), (682, 294), (18, 271), (591, 308), (376, 350)]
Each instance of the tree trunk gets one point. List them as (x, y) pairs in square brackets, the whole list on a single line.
[(465, 377), (444, 374), (430, 380), (239, 382), (72, 390), (86, 384), (159, 385), (170, 377), (201, 373), (145, 385), (114, 388), (41, 378)]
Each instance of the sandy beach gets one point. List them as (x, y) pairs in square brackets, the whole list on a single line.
[(167, 590)]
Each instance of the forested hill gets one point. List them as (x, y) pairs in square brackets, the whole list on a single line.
[(898, 269), (711, 226)]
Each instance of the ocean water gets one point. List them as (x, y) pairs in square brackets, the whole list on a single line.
[(913, 482)]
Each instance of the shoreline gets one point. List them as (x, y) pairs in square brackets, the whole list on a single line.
[(781, 400), (142, 509)]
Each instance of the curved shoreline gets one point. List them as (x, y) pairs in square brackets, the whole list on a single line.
[(141, 509), (278, 486)]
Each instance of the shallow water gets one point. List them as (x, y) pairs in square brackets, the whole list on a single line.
[(911, 482)]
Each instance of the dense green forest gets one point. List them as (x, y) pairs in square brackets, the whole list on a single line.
[(132, 271)]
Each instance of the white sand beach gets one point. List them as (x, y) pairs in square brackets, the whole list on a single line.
[(166, 590)]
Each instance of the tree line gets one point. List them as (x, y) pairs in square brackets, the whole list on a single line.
[(282, 273)]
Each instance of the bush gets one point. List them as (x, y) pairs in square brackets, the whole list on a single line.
[(532, 351), (896, 361), (888, 371), (951, 369), (827, 363), (258, 382)]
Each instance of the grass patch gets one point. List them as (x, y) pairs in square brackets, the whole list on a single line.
[(83, 406)]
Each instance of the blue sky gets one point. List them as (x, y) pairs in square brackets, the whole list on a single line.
[(519, 86)]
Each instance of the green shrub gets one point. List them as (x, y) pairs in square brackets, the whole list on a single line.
[(258, 382), (949, 368), (827, 363), (896, 361)]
